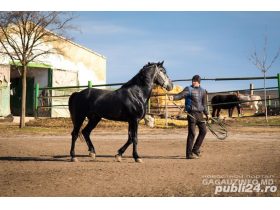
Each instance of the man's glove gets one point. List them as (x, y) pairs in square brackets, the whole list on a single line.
[(208, 117)]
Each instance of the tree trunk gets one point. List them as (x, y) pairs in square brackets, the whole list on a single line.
[(265, 103), (23, 97)]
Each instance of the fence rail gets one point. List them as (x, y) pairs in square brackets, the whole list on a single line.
[(49, 98)]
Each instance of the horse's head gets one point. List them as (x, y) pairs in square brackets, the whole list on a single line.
[(161, 78)]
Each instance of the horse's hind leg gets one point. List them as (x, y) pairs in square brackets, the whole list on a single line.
[(86, 133), (75, 133)]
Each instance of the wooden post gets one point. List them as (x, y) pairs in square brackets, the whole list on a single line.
[(36, 100), (268, 100), (251, 89), (166, 112), (149, 106), (278, 79)]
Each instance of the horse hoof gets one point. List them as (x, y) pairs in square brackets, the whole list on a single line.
[(139, 160), (118, 158), (92, 155), (74, 160)]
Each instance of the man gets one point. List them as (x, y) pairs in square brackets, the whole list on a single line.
[(196, 105)]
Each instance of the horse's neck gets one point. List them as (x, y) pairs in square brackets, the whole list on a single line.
[(145, 90), (147, 86), (143, 87)]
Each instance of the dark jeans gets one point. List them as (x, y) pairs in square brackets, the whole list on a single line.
[(191, 132)]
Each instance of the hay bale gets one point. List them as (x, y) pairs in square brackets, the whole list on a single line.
[(158, 100)]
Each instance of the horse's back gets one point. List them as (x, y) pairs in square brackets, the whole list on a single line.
[(80, 102), (219, 100), (257, 99), (119, 105), (104, 103)]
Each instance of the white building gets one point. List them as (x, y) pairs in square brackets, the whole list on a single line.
[(74, 67)]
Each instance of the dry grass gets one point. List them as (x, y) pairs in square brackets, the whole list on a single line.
[(54, 126)]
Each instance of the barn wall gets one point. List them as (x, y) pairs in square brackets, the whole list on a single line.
[(40, 75), (4, 90), (81, 65), (73, 57), (88, 64), (62, 78)]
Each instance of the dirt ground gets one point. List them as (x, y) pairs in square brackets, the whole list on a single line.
[(37, 164)]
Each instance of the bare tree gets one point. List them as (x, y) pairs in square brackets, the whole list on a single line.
[(262, 63), (26, 36)]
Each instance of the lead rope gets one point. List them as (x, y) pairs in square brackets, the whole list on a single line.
[(220, 132)]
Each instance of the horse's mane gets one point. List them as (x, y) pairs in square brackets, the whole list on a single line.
[(142, 77)]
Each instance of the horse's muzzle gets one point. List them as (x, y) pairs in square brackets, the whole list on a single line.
[(169, 87)]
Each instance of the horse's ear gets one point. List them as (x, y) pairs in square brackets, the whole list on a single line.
[(161, 63), (147, 65)]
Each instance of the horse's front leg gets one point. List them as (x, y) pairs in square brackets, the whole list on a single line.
[(134, 137), (230, 111), (123, 148), (239, 110), (256, 107), (218, 112)]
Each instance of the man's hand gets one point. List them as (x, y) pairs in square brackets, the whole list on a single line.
[(208, 117), (171, 98)]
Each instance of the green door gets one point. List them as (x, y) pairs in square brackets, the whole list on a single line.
[(16, 89)]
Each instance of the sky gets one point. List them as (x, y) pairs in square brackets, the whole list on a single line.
[(211, 44)]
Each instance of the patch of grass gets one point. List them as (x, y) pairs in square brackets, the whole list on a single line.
[(13, 129), (66, 123), (255, 121)]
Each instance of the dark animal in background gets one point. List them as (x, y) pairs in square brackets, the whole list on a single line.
[(225, 102), (127, 103)]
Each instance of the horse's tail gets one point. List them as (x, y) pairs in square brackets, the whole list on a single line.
[(72, 106), (74, 111)]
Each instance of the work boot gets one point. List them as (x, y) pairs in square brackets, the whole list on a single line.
[(196, 153), (192, 156)]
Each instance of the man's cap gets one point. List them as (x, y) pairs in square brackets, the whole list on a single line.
[(196, 78)]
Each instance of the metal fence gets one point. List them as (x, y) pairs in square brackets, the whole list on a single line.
[(46, 99), (165, 108)]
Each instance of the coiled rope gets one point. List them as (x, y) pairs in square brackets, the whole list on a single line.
[(216, 126)]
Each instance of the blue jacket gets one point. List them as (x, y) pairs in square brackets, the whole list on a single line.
[(195, 99)]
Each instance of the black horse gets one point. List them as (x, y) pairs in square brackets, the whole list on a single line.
[(127, 103), (225, 102)]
